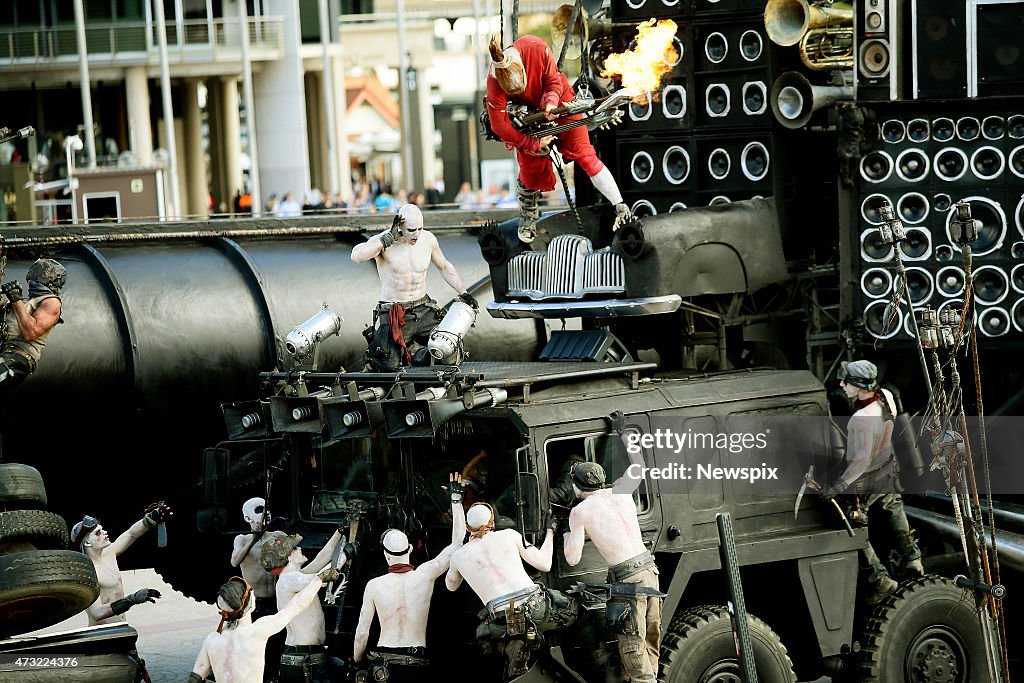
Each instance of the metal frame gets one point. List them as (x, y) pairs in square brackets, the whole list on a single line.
[(971, 26)]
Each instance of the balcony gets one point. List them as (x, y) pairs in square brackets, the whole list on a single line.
[(136, 42)]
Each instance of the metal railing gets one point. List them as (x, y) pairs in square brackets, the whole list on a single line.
[(59, 42)]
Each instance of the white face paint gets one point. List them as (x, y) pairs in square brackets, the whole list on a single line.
[(98, 538), (850, 390), (255, 512)]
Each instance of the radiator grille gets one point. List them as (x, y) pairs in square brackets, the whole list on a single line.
[(568, 269)]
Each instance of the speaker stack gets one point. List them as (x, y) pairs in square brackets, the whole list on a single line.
[(878, 50), (707, 138), (928, 158)]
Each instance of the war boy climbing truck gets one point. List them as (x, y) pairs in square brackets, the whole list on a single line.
[(370, 451)]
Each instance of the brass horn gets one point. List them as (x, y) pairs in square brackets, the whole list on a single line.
[(824, 49), (786, 21), (794, 99)]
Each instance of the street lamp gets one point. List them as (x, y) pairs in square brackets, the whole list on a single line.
[(72, 144)]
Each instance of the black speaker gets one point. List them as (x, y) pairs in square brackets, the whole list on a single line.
[(732, 99), (996, 65), (702, 8), (652, 164), (641, 10), (651, 203), (729, 165), (718, 46), (670, 110), (878, 74), (939, 39)]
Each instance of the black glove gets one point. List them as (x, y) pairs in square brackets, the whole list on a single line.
[(137, 598), (351, 549), (156, 513), (837, 488), (551, 522), (195, 678), (13, 290), (388, 238), (456, 491), (618, 421), (467, 298)]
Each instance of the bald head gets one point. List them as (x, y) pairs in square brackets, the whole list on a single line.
[(479, 518), (412, 221), (396, 546)]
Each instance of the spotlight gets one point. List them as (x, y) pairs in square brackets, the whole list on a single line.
[(673, 101), (716, 100), (912, 165), (950, 281), (990, 285), (876, 167), (968, 128), (987, 163), (918, 244), (675, 164), (992, 229), (755, 97), (993, 127), (445, 343), (304, 338), (876, 282), (643, 208), (882, 319), (912, 207), (893, 131), (943, 129), (918, 130), (716, 47), (873, 247), (869, 208), (994, 322), (719, 163), (754, 161), (950, 163), (920, 285), (751, 45), (641, 167)]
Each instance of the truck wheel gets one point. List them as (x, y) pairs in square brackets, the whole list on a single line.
[(21, 487), (44, 587), (699, 648), (43, 530), (924, 632)]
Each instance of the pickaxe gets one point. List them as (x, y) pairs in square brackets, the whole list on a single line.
[(810, 482)]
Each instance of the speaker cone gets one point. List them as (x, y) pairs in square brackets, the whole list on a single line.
[(870, 208), (876, 167), (918, 245), (678, 206), (676, 164), (918, 130), (754, 161), (719, 200), (1015, 126), (643, 208), (987, 162), (876, 282), (993, 225), (751, 45), (944, 253), (882, 319), (990, 285), (968, 128), (716, 100), (1017, 277), (1017, 251), (673, 101), (950, 281), (755, 97), (641, 112), (919, 287), (893, 131), (912, 165), (719, 164), (678, 45), (1019, 216), (994, 322), (872, 248), (1018, 315), (874, 58), (716, 47), (942, 201), (636, 4), (1017, 161), (912, 207), (993, 127), (950, 163), (943, 129), (641, 167)]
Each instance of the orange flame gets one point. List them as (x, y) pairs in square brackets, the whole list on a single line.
[(642, 66)]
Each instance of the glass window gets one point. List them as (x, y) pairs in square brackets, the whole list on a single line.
[(606, 450)]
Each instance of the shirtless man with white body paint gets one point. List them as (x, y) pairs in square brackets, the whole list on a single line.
[(403, 254), (401, 600)]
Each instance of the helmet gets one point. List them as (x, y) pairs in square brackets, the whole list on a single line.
[(81, 531), (48, 273), (479, 516), (395, 543), (255, 512), (508, 67), (412, 215), (587, 476), (275, 551), (859, 373)]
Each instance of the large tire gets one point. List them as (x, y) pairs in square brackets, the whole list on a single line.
[(44, 587), (699, 648), (925, 632), (21, 487), (43, 530)]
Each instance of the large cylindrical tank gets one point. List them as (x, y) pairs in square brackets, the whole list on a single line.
[(160, 330)]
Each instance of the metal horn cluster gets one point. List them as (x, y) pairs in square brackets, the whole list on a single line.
[(794, 99)]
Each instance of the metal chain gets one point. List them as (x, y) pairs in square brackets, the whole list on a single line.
[(556, 159)]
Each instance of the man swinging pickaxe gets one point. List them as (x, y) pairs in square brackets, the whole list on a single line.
[(810, 482)]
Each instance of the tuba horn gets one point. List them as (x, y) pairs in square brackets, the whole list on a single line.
[(786, 21), (794, 99)]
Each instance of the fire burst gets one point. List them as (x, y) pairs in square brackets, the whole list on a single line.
[(642, 67)]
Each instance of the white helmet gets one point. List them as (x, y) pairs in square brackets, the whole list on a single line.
[(255, 512)]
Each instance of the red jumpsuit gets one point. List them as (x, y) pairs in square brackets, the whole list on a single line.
[(544, 85)]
